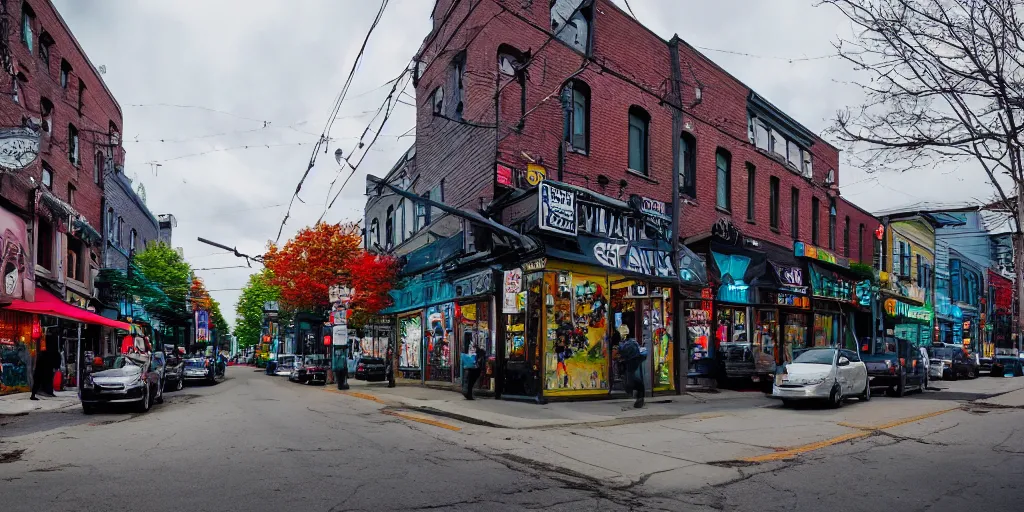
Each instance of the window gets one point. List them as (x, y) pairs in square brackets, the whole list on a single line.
[(638, 123), (920, 274), (46, 109), (577, 116), (688, 164), (760, 135), (99, 165), (45, 45), (111, 224), (723, 180), (751, 183), (422, 213), (846, 237), (860, 243), (81, 96), (47, 176), (793, 154), (808, 164), (73, 144), (71, 194), (389, 228), (832, 224), (437, 98), (65, 73), (772, 141), (44, 242), (815, 220), (906, 256), (131, 239), (374, 233), (458, 74), (773, 202), (73, 262), (28, 19), (794, 213), (120, 231), (510, 63), (570, 23)]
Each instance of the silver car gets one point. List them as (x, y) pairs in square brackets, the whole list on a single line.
[(825, 373)]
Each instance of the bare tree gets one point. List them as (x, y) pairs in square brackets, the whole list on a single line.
[(945, 85)]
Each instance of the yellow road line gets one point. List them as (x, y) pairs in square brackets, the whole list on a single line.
[(420, 419), (364, 396), (864, 432)]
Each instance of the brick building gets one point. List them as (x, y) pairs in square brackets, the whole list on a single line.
[(129, 224), (626, 160)]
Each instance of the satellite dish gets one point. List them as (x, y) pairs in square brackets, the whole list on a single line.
[(102, 69), (339, 155), (141, 191)]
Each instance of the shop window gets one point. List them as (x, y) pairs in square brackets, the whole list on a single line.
[(732, 341), (65, 73), (773, 202), (794, 335), (47, 178), (46, 109), (575, 340), (389, 228), (570, 23), (815, 220), (73, 144), (44, 242), (577, 117), (28, 21), (751, 184), (832, 224), (639, 121), (45, 48), (74, 263), (723, 180), (688, 164), (794, 213), (846, 237)]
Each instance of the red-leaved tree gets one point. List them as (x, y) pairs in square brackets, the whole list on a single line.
[(311, 262), (372, 276)]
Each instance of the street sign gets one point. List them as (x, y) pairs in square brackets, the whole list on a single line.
[(338, 293), (340, 335)]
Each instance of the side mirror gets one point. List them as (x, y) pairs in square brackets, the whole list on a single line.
[(843, 361)]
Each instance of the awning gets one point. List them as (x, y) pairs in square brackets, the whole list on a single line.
[(48, 304)]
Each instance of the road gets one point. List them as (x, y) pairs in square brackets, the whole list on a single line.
[(259, 443)]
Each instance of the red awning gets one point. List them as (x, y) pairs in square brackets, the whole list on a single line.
[(48, 304)]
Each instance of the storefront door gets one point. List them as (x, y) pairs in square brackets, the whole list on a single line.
[(410, 341), (474, 331), (438, 339), (733, 341), (794, 336), (657, 319), (766, 336), (523, 332)]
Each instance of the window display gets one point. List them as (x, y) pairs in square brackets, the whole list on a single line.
[(659, 317), (438, 339), (474, 329), (826, 330), (765, 335), (794, 335), (623, 327), (576, 310), (411, 329)]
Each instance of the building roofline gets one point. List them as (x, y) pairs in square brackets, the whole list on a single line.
[(85, 56), (858, 208), (121, 180)]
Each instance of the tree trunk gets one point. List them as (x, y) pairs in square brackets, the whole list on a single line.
[(1018, 270)]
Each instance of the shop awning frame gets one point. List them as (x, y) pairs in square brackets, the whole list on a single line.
[(48, 304)]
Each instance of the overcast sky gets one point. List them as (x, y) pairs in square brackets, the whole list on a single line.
[(231, 66)]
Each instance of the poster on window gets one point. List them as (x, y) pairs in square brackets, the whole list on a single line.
[(411, 329), (576, 349), (19, 281), (512, 284), (202, 326)]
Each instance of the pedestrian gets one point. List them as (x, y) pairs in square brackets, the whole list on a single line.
[(472, 363), (631, 355)]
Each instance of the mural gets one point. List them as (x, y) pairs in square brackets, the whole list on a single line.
[(17, 273), (411, 329), (658, 318), (577, 324), (439, 338), (15, 351)]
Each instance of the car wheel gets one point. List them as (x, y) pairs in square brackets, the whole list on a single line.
[(144, 404), (971, 374), (179, 384), (864, 397), (88, 408), (835, 398)]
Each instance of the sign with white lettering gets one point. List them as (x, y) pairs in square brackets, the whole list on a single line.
[(557, 210), (654, 208)]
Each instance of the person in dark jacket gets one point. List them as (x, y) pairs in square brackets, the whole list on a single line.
[(630, 354), (472, 373)]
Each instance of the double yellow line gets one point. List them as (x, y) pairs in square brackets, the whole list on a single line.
[(405, 416)]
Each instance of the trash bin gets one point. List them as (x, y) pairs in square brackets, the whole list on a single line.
[(271, 367)]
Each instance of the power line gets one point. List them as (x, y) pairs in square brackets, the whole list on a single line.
[(332, 116), (223, 268)]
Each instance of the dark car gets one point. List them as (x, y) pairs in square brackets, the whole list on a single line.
[(131, 378), (312, 371), (953, 361), (371, 369), (200, 368), (896, 364), (174, 370), (1007, 366)]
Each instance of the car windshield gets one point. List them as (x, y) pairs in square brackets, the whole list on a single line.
[(940, 353), (885, 346), (817, 356), (120, 362)]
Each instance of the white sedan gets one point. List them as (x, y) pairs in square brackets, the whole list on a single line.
[(823, 374)]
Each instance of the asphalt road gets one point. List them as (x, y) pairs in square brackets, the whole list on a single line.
[(258, 443)]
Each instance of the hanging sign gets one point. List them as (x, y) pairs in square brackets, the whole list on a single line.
[(339, 335), (535, 265), (788, 276), (511, 286), (557, 210), (803, 250), (638, 291)]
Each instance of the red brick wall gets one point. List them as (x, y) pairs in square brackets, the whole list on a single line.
[(857, 240), (100, 109), (629, 66)]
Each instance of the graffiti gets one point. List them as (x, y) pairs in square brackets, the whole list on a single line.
[(576, 348), (654, 208), (609, 254), (650, 262), (19, 147), (557, 210), (412, 336), (513, 283), (477, 284), (618, 225), (18, 282)]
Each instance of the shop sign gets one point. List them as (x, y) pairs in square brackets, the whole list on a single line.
[(826, 284), (339, 334), (512, 284), (19, 281), (557, 210), (654, 208), (202, 325), (627, 256), (602, 221), (789, 276), (803, 250), (19, 147), (899, 309), (535, 265), (480, 283), (640, 291), (504, 175), (789, 299)]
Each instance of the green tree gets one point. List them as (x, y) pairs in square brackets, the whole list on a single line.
[(164, 266), (249, 310), (219, 322)]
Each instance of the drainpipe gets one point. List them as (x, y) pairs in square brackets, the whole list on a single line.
[(683, 362)]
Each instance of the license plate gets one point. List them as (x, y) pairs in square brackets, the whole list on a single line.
[(755, 378)]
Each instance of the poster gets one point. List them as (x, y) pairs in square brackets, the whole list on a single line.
[(411, 329), (511, 285), (557, 210), (18, 275), (576, 349), (202, 325)]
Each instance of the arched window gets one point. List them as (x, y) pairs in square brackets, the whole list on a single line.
[(131, 239), (723, 179), (47, 178), (639, 121), (688, 165), (577, 117), (570, 22), (510, 63), (73, 144), (28, 21), (45, 46)]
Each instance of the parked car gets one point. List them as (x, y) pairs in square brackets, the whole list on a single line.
[(952, 362), (198, 368), (312, 371), (825, 373), (896, 364), (370, 369), (174, 370), (1007, 366), (285, 365), (135, 379)]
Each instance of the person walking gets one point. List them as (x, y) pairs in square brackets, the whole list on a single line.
[(472, 366), (630, 354)]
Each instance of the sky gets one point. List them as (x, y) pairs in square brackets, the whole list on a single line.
[(224, 99)]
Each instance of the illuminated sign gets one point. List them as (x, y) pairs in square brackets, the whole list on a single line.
[(803, 250), (899, 309)]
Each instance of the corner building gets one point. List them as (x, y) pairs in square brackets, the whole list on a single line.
[(652, 195)]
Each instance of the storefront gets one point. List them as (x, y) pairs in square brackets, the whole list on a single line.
[(17, 347), (474, 311), (423, 312), (910, 322), (841, 304), (1000, 317), (16, 351)]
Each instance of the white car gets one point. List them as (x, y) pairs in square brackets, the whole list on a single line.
[(823, 374)]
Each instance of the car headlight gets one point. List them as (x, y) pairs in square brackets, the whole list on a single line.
[(814, 382), (88, 384)]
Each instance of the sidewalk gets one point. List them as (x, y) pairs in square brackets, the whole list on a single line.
[(19, 404), (486, 411)]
